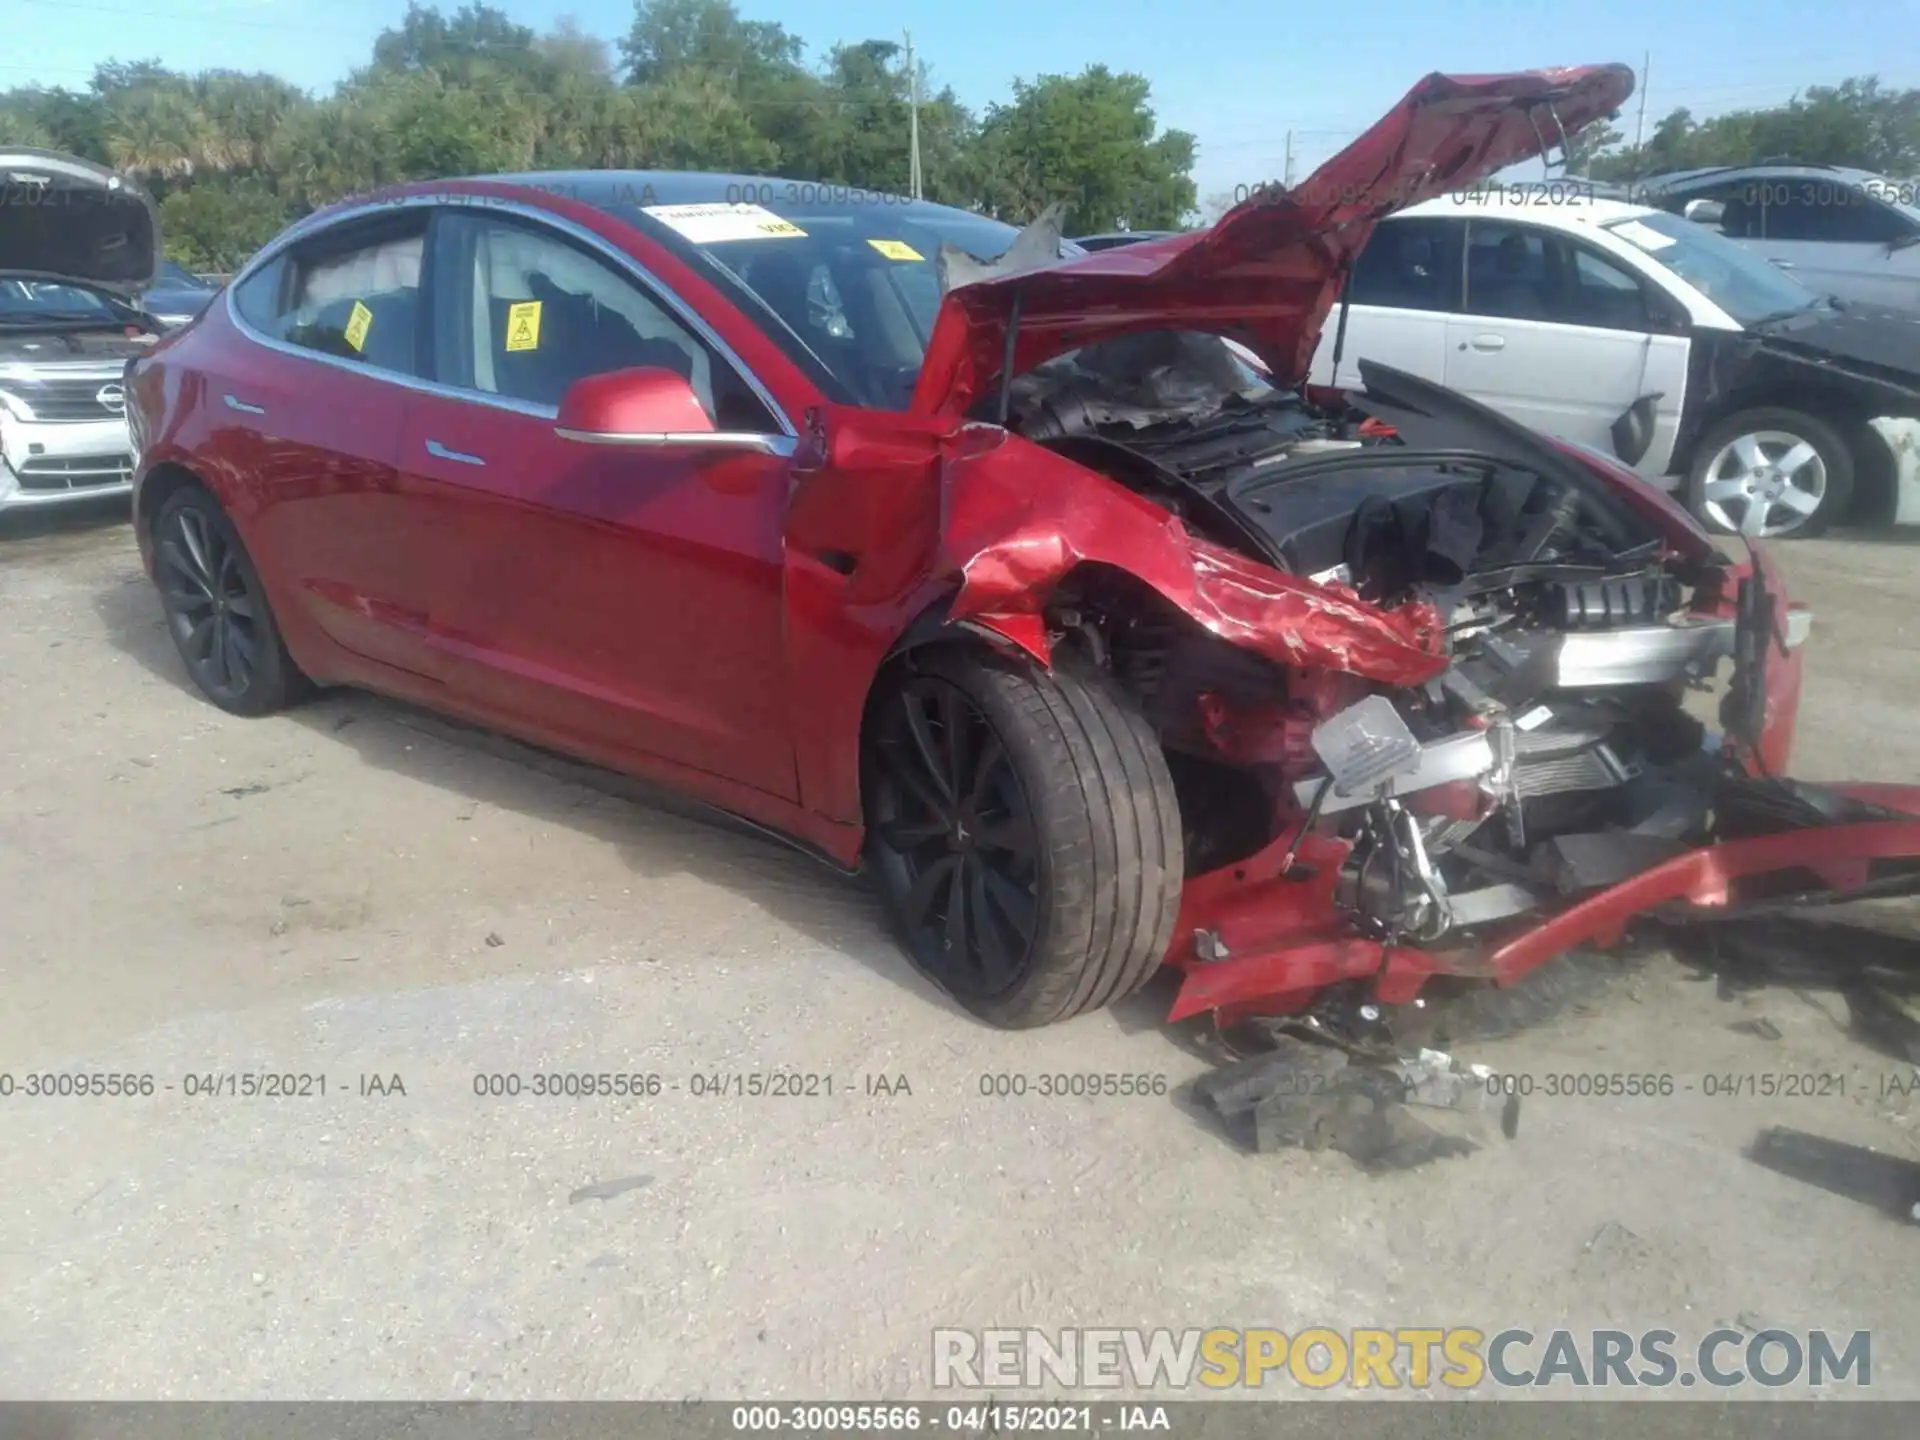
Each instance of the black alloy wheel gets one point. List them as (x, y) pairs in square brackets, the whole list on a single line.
[(1023, 830), (216, 609), (954, 835)]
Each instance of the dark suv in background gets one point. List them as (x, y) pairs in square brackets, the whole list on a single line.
[(1841, 232)]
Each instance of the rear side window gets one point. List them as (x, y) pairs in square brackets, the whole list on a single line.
[(1409, 265), (257, 298), (353, 298)]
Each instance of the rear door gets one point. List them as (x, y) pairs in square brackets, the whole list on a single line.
[(626, 602), (1563, 338), (315, 408), (1403, 287)]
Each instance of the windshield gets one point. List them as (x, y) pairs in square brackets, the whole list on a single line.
[(1747, 287), (858, 283), (42, 300)]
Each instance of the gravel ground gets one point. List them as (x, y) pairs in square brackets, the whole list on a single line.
[(358, 892)]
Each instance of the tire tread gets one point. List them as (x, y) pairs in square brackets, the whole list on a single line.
[(1107, 818)]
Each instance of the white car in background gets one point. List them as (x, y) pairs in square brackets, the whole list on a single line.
[(1651, 339), (77, 244)]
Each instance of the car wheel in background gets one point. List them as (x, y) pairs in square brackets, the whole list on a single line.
[(1771, 473), (216, 609), (1024, 833)]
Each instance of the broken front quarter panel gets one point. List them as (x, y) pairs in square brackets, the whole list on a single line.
[(1015, 529), (895, 514)]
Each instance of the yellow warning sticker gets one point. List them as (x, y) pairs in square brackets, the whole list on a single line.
[(896, 250), (523, 325), (359, 321)]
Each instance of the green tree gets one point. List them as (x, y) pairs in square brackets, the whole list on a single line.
[(668, 36), (1089, 140), (232, 156), (473, 40), (1858, 122)]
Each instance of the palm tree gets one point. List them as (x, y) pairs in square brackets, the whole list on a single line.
[(158, 131)]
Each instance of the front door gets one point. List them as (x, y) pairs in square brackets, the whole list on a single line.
[(1562, 338), (618, 600)]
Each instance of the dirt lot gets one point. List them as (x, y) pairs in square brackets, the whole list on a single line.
[(357, 891)]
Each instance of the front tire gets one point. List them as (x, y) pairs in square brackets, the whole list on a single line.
[(217, 610), (1024, 833), (1770, 473)]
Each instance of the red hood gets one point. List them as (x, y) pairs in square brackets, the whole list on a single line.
[(1269, 272)]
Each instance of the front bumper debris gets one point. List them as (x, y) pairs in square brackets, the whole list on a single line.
[(1267, 933)]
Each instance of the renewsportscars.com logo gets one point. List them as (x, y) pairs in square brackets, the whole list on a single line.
[(1458, 1358)]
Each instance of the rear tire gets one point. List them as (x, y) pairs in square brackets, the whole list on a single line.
[(217, 610), (1797, 470), (1038, 807)]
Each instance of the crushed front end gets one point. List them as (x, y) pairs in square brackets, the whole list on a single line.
[(1438, 696)]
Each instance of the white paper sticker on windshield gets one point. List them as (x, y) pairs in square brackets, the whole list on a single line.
[(1645, 236), (716, 224)]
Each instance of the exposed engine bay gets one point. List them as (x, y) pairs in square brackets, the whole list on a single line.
[(1553, 756)]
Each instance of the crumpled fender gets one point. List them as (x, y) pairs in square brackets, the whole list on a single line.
[(1017, 526), (896, 518)]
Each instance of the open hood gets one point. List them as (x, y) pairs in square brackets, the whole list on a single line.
[(1269, 272), (64, 218)]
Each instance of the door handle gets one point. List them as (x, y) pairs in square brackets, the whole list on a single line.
[(234, 402), (1783, 264), (1486, 342), (441, 452)]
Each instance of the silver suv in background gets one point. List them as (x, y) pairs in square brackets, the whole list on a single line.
[(1839, 231), (76, 243)]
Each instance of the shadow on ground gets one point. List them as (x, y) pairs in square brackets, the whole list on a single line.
[(656, 833)]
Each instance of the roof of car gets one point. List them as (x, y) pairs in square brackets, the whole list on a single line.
[(1792, 169), (613, 189)]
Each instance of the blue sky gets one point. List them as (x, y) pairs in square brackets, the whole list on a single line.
[(1237, 73)]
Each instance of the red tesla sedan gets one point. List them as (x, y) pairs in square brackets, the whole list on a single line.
[(887, 527)]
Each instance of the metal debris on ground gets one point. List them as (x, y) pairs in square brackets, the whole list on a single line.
[(1389, 1115), (1887, 1183)]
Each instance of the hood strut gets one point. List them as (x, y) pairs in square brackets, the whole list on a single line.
[(1006, 359), (1340, 325)]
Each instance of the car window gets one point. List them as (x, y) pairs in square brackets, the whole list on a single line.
[(1821, 210), (1522, 272), (354, 297), (1409, 265), (1600, 292), (50, 300), (257, 297), (528, 312), (1507, 272)]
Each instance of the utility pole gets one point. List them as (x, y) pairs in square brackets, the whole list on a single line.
[(1640, 128), (1287, 177), (913, 119)]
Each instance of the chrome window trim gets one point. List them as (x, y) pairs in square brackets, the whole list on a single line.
[(782, 445), (620, 259)]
